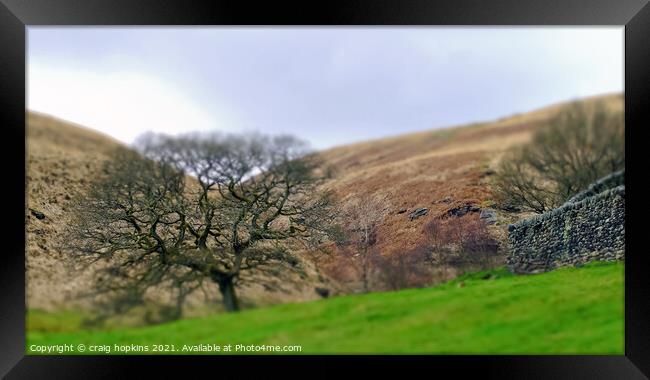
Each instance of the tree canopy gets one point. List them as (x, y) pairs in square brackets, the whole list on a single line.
[(579, 146), (184, 209)]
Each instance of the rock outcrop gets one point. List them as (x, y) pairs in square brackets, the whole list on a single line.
[(418, 213)]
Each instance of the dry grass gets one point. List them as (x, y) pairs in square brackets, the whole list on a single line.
[(62, 159)]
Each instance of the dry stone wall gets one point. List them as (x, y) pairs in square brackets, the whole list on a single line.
[(590, 226)]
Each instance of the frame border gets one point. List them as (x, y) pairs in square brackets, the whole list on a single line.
[(16, 15)]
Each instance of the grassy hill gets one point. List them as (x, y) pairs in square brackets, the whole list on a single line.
[(570, 310)]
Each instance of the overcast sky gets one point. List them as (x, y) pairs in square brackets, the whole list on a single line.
[(330, 86)]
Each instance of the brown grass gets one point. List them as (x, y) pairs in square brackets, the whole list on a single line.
[(61, 160)]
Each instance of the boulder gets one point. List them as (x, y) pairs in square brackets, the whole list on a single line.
[(489, 215), (39, 215), (418, 213), (462, 210), (510, 208)]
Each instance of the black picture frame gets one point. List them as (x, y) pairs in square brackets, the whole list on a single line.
[(16, 15)]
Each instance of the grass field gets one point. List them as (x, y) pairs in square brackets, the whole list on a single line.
[(568, 311)]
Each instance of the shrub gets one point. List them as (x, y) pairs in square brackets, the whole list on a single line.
[(460, 240), (401, 270)]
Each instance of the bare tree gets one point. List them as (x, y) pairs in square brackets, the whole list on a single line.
[(361, 218), (198, 207), (578, 147)]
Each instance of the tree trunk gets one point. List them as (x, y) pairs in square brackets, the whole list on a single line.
[(364, 275), (178, 310), (364, 272), (227, 289)]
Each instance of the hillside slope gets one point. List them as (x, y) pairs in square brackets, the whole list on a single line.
[(567, 311), (62, 160), (439, 169)]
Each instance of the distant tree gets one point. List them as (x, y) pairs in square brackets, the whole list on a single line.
[(578, 147), (361, 218), (196, 207)]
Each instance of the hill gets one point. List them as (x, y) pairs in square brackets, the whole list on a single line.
[(441, 170), (62, 160), (567, 311)]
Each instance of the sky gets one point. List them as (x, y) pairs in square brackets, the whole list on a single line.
[(329, 85)]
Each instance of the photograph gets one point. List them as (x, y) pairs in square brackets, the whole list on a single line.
[(339, 190)]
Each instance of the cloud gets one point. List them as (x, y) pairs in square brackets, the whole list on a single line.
[(121, 104), (331, 85)]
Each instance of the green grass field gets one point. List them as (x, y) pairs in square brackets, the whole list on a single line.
[(568, 311)]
